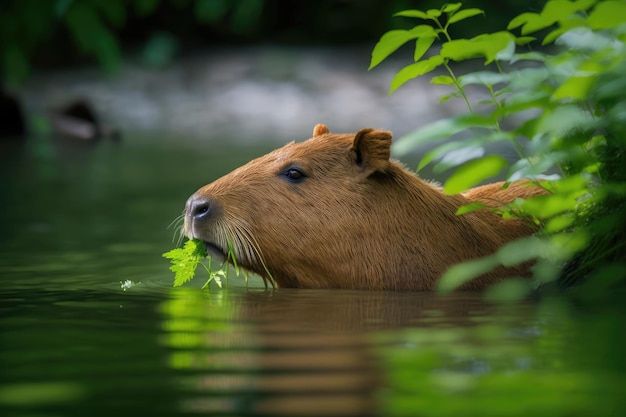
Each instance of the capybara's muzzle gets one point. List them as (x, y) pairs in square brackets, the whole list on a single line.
[(201, 216), (199, 212), (198, 207)]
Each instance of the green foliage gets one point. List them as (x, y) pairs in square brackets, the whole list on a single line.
[(473, 172), (571, 101), (185, 260), (22, 25), (88, 23), (184, 263), (243, 13), (93, 26)]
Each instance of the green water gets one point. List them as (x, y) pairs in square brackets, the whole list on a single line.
[(91, 326)]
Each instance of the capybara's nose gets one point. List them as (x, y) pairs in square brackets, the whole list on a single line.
[(199, 207)]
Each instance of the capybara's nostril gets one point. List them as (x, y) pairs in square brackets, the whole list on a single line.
[(199, 207)]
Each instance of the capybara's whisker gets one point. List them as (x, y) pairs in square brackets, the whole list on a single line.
[(243, 243), (177, 221), (179, 233), (336, 212), (251, 249)]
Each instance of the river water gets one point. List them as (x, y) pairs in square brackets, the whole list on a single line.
[(90, 323)]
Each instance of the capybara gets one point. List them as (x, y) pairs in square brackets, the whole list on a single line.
[(336, 212)]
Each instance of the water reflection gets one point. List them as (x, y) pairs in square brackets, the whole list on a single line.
[(301, 353), (291, 352), (546, 367), (263, 353)]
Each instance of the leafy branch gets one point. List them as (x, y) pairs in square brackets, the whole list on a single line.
[(185, 261), (567, 109)]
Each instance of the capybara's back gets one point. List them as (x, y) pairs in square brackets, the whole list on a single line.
[(336, 212)]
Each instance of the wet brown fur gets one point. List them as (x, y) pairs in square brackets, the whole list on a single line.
[(357, 220)]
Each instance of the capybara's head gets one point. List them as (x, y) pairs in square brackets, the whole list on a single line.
[(297, 210), (335, 211)]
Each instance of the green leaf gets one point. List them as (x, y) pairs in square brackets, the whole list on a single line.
[(521, 100), (468, 208), (554, 11), (413, 13), (447, 97), (524, 40), (83, 25), (563, 119), (513, 289), (585, 39), (422, 45), (537, 23), (113, 10), (442, 80), (520, 20), (465, 147), (394, 39), (457, 157), (185, 260), (546, 206), (464, 14), (437, 152), (553, 35), (473, 172), (533, 167), (559, 223), (92, 36), (441, 129), (451, 7), (513, 253), (521, 250), (217, 276), (571, 184), (607, 15), (486, 45), (488, 78), (571, 22), (528, 56), (415, 70), (459, 274), (433, 13), (107, 50)]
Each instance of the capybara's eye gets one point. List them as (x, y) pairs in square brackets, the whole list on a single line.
[(294, 175)]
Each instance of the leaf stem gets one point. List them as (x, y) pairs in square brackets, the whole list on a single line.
[(457, 85)]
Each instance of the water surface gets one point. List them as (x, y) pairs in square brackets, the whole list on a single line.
[(90, 324)]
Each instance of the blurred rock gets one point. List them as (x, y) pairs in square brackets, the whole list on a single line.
[(78, 120)]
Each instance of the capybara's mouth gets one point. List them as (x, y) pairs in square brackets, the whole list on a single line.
[(215, 251)]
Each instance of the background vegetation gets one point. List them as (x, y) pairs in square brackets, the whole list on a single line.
[(566, 108), (43, 34)]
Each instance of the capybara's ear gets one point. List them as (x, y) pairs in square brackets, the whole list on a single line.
[(320, 129), (372, 149)]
